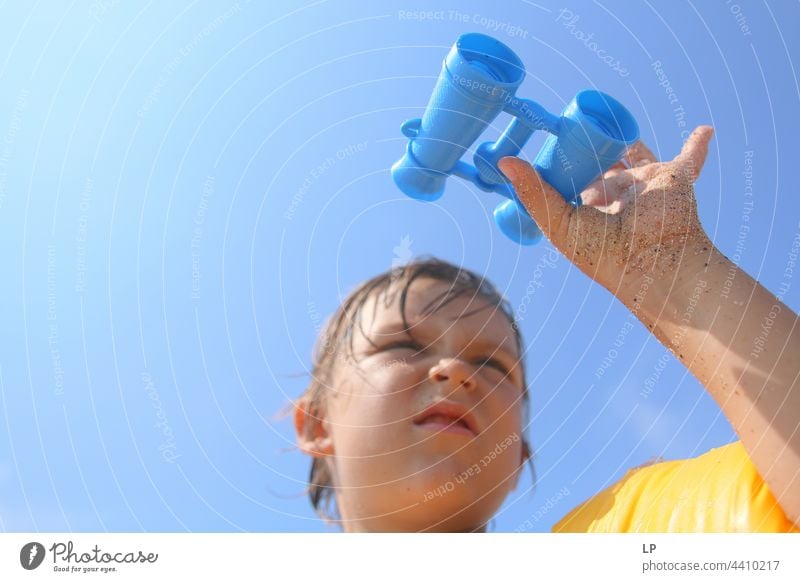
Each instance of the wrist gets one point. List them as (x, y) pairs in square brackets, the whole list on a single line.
[(673, 280)]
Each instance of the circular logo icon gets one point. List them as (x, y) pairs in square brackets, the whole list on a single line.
[(31, 555)]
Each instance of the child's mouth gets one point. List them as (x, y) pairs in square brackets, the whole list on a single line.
[(442, 423)]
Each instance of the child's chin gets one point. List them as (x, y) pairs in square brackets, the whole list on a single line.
[(449, 517)]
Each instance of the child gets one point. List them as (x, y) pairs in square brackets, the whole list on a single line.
[(415, 413)]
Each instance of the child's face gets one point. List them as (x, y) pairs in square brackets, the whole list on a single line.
[(394, 473)]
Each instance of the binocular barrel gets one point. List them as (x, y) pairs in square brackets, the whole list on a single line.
[(478, 81), (477, 77)]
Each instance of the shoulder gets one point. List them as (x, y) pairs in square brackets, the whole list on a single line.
[(719, 491)]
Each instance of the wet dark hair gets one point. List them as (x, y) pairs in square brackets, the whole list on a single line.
[(336, 341)]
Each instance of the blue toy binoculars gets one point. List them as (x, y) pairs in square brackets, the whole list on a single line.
[(478, 80)]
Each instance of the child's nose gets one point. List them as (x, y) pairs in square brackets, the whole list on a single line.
[(454, 371)]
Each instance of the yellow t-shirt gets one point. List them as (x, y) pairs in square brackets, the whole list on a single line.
[(720, 491)]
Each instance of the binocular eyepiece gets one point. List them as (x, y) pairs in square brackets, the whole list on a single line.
[(478, 81)]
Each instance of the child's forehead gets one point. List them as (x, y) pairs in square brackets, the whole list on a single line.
[(430, 301)]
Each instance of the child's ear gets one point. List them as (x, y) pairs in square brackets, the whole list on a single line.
[(524, 456), (312, 435)]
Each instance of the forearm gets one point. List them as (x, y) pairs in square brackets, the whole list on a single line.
[(743, 345)]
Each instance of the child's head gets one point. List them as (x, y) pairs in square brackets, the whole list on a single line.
[(417, 335)]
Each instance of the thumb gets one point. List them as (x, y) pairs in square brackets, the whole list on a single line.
[(694, 152), (547, 207)]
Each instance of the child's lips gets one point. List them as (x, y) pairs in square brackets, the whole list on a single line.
[(442, 423), (448, 416)]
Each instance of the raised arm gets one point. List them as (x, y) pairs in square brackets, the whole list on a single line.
[(638, 235)]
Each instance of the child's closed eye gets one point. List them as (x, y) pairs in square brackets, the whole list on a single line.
[(404, 344), (481, 361), (495, 364)]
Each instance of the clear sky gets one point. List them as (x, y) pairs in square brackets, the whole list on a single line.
[(187, 191)]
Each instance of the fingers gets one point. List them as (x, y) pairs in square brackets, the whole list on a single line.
[(639, 155), (607, 190), (694, 151), (547, 207), (614, 170)]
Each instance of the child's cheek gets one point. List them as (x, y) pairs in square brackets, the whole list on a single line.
[(392, 375), (508, 428), (501, 453)]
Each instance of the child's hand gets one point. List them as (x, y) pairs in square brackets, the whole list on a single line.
[(636, 220), (641, 222)]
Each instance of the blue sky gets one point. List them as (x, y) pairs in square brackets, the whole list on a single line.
[(187, 191)]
